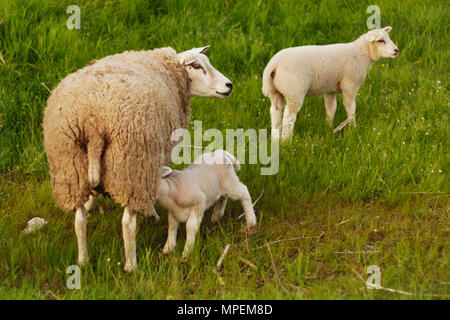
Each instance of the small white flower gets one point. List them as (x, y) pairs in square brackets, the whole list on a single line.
[(404, 128), (375, 230), (403, 142), (118, 263), (426, 133), (379, 133), (439, 81), (109, 259), (440, 171), (432, 171)]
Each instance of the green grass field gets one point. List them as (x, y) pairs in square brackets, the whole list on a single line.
[(376, 194)]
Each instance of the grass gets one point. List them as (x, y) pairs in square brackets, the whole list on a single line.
[(376, 194)]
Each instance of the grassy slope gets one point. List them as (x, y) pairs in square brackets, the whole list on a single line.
[(367, 173)]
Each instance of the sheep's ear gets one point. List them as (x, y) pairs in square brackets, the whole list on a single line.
[(187, 59), (165, 171), (387, 29)]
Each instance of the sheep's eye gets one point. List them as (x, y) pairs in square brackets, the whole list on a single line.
[(381, 40), (196, 66)]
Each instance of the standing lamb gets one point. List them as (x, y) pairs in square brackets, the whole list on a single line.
[(188, 193), (107, 127), (294, 73)]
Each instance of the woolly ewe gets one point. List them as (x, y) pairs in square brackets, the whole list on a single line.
[(107, 127)]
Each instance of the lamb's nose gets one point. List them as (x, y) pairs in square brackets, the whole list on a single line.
[(396, 51), (229, 85)]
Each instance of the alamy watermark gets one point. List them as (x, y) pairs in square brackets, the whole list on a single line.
[(74, 279), (74, 21), (374, 21), (374, 281), (255, 141)]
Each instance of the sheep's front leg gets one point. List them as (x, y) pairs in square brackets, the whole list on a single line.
[(80, 231), (293, 106), (192, 226), (330, 106), (129, 234), (276, 110), (171, 235), (219, 209)]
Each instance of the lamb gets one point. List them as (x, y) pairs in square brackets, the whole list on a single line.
[(107, 128), (188, 193), (294, 73)]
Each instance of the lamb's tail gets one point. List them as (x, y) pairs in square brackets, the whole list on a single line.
[(269, 74), (233, 161)]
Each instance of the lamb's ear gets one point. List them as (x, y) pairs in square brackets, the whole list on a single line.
[(387, 29), (165, 171), (202, 50)]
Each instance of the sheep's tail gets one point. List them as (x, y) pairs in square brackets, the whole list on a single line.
[(232, 160), (94, 150)]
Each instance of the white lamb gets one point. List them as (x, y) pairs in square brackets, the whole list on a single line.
[(188, 193), (294, 73)]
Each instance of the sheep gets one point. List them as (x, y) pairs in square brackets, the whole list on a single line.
[(107, 128), (188, 193), (294, 73)]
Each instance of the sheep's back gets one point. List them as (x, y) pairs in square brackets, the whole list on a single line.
[(134, 101)]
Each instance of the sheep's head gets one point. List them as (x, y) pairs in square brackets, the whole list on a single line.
[(206, 81), (380, 45)]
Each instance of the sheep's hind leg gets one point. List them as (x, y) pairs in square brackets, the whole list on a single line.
[(129, 239), (293, 106), (171, 235), (80, 231), (330, 106), (219, 209), (276, 110)]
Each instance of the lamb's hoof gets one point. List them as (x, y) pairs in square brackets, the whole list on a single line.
[(181, 260), (250, 230), (129, 268)]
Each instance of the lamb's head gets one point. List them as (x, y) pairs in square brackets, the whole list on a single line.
[(380, 45), (206, 81)]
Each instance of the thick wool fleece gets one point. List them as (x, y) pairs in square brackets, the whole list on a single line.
[(121, 110)]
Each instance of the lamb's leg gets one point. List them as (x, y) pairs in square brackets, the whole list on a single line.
[(90, 203), (236, 190), (276, 110), (293, 106), (350, 105), (219, 209), (129, 233), (330, 106), (80, 231), (171, 235), (192, 226)]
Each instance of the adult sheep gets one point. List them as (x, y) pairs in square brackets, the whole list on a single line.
[(108, 127), (294, 73)]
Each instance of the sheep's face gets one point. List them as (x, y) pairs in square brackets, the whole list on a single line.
[(381, 46), (206, 81)]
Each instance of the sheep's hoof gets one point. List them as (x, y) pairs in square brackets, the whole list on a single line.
[(83, 262)]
